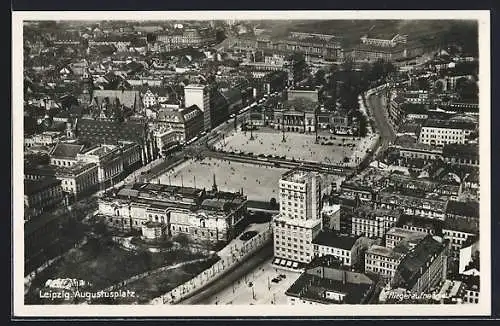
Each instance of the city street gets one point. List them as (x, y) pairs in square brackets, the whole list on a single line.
[(256, 287), (377, 104)]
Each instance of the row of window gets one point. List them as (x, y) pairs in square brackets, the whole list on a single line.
[(294, 239)]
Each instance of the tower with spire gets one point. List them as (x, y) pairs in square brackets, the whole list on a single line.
[(214, 186)]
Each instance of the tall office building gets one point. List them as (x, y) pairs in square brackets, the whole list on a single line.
[(199, 95), (299, 220)]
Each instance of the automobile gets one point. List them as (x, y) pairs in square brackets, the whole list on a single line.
[(275, 280), (232, 115), (282, 276)]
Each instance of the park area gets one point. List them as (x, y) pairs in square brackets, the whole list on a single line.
[(329, 149), (259, 182), (103, 264)]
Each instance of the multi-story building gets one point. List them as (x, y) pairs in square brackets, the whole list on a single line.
[(299, 220), (462, 222), (40, 195), (410, 205), (309, 93), (422, 268), (76, 180), (396, 235), (97, 132), (46, 138), (373, 222), (199, 95), (409, 148), (154, 96), (187, 37), (461, 154), (420, 224), (202, 215), (384, 261), (341, 246), (65, 154), (187, 123), (472, 287), (296, 116), (108, 160), (326, 285), (106, 99), (442, 132), (387, 43), (167, 137)]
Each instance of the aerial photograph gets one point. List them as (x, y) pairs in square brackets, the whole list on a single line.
[(251, 162)]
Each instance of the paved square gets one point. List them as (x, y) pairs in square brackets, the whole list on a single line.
[(258, 182), (297, 146)]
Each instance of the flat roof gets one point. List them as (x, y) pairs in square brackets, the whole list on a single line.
[(335, 240)]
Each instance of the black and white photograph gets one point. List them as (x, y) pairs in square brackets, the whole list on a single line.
[(232, 163)]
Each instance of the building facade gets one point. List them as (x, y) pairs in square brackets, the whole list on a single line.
[(299, 220), (199, 95)]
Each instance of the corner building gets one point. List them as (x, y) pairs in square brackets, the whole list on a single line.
[(299, 220)]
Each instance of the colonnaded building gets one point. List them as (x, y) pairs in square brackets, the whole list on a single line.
[(163, 210)]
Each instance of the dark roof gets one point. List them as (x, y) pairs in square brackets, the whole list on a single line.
[(335, 240), (411, 108), (415, 262), (466, 151), (34, 186), (313, 288), (101, 132), (421, 222), (449, 124), (468, 209), (64, 150)]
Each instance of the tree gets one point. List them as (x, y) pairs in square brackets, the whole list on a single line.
[(182, 239), (319, 77)]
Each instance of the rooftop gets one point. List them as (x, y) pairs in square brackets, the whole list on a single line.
[(467, 151), (421, 222), (449, 124), (335, 240), (319, 283), (384, 252), (311, 223), (298, 176), (468, 209), (102, 150), (34, 186), (65, 150), (58, 171), (415, 262), (408, 234)]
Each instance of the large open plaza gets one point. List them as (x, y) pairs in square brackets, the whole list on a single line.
[(258, 182), (329, 149)]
